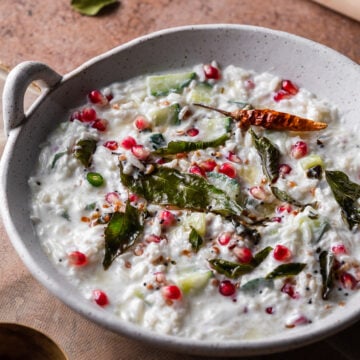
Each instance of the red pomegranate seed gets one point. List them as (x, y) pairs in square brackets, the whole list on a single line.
[(258, 192), (77, 258), (299, 150), (111, 145), (226, 288), (96, 97), (153, 239), (100, 298), (281, 95), (196, 170), (171, 292), (88, 115), (284, 208), (192, 132), (276, 219), (208, 165), (289, 290), (282, 253), (128, 142), (224, 238), (284, 169), (160, 161), (348, 281), (243, 254), (228, 170), (249, 84), (269, 310), (167, 218), (133, 197), (100, 124), (141, 123), (339, 249), (109, 97), (140, 152), (112, 197), (211, 72), (289, 87), (233, 157), (76, 115)]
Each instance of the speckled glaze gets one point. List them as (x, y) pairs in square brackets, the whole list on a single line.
[(319, 69)]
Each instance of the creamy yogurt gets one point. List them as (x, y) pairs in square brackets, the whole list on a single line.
[(163, 282)]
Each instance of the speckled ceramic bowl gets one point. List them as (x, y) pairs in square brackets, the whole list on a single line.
[(317, 68)]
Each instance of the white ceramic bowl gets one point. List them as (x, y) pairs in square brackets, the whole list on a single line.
[(313, 66)]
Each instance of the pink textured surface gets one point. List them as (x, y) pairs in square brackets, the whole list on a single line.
[(49, 31)]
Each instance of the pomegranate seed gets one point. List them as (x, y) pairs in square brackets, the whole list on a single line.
[(301, 320), (153, 239), (348, 281), (196, 170), (109, 97), (243, 254), (284, 169), (226, 288), (133, 197), (269, 310), (233, 157), (339, 249), (128, 142), (167, 218), (140, 152), (281, 95), (284, 208), (100, 124), (100, 298), (224, 238), (96, 97), (249, 84), (88, 115), (299, 150), (258, 192), (192, 132), (289, 290), (77, 258), (141, 123), (211, 72), (276, 219), (208, 165), (111, 145), (171, 292), (289, 87), (282, 253), (112, 197), (228, 170), (76, 115), (160, 161)]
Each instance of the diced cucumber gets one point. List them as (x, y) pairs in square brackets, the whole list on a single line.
[(197, 221), (194, 282), (311, 161), (201, 93), (211, 128), (161, 85), (157, 141), (318, 227), (165, 116), (230, 186)]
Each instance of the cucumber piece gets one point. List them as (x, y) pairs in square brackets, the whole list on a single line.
[(201, 93), (161, 85), (197, 221), (311, 161), (194, 282), (165, 116), (213, 127), (230, 186)]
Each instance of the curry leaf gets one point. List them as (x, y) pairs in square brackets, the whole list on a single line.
[(261, 256), (283, 196), (166, 186), (90, 7), (121, 232), (257, 284), (57, 156), (175, 147), (195, 240), (247, 233), (326, 260), (346, 194), (269, 155), (84, 150), (230, 269), (286, 270)]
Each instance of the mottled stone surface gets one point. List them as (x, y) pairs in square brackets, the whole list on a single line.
[(51, 32)]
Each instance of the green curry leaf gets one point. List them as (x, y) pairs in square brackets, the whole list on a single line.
[(283, 196), (195, 240), (326, 260), (257, 284), (90, 7), (84, 150), (286, 270), (230, 269)]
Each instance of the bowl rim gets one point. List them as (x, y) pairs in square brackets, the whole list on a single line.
[(185, 345)]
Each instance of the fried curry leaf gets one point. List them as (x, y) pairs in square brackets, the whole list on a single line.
[(286, 270), (261, 256), (326, 260), (121, 233), (247, 233), (346, 194), (269, 155), (166, 186), (84, 150), (176, 147), (57, 156), (230, 269), (90, 7), (257, 284), (195, 240), (283, 196)]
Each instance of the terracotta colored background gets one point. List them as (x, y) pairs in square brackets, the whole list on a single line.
[(49, 31)]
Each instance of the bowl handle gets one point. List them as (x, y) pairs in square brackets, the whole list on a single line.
[(16, 84)]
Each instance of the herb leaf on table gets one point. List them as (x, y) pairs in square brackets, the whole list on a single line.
[(90, 7)]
